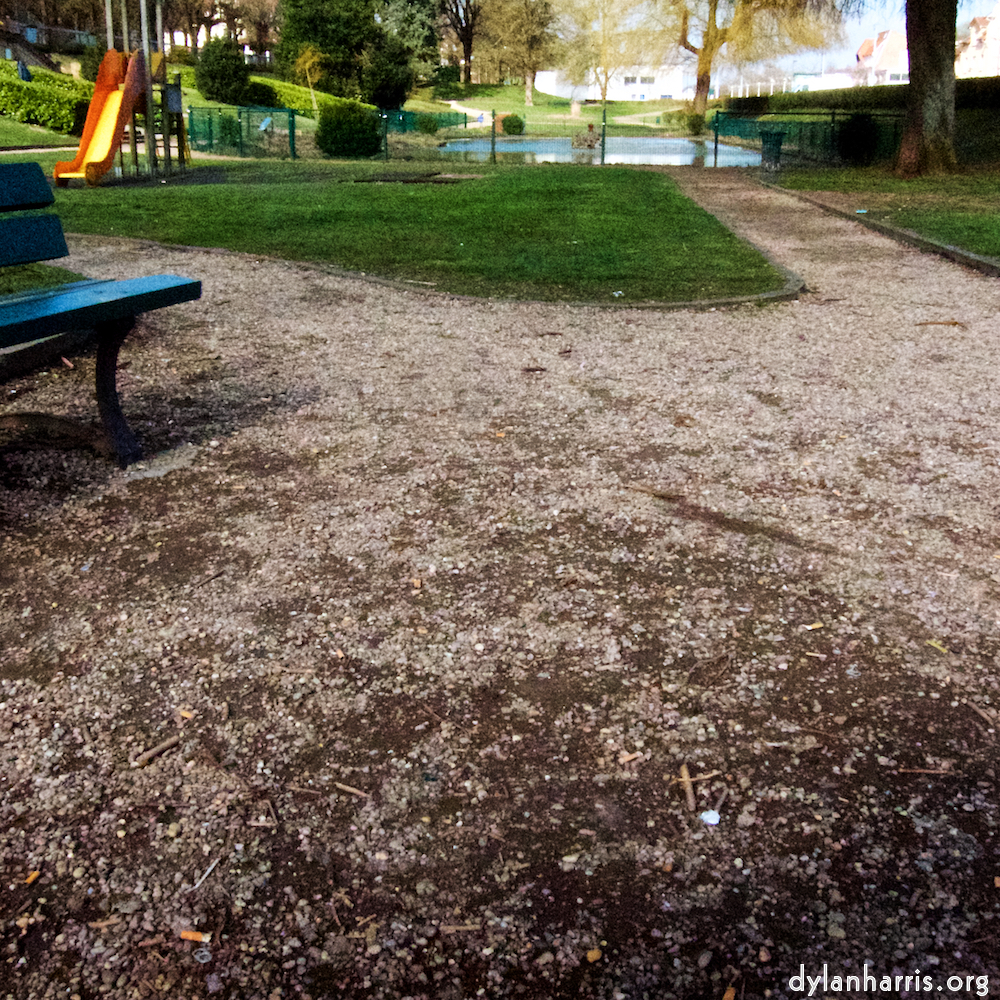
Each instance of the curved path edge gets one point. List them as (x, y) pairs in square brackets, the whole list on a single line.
[(792, 287), (986, 265)]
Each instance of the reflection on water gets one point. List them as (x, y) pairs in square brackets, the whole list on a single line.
[(662, 152)]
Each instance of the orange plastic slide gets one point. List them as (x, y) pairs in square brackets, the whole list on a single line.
[(117, 92)]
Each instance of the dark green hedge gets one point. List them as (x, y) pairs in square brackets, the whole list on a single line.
[(53, 101), (975, 93)]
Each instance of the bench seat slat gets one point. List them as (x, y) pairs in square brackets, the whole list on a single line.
[(27, 240), (82, 305), (24, 186)]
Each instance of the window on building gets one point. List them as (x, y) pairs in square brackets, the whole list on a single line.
[(629, 79), (647, 79)]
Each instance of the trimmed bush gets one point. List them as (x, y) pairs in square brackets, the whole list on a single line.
[(349, 129), (857, 140), (695, 124), (512, 125), (261, 95), (427, 124), (229, 130), (51, 100), (222, 74)]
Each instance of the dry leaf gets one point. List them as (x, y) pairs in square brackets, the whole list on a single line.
[(31, 877), (730, 993), (594, 955), (937, 645), (813, 626)]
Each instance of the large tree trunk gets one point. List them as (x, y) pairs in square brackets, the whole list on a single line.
[(529, 88), (927, 144)]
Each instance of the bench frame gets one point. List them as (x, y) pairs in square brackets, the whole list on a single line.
[(109, 308)]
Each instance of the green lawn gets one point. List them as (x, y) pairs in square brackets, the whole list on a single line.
[(14, 134), (30, 276), (561, 233), (961, 210)]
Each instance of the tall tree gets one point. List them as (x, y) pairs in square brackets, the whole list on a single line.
[(524, 31), (749, 30), (414, 24), (928, 136), (603, 37), (464, 18), (340, 29)]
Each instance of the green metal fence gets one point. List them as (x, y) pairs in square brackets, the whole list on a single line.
[(258, 132), (420, 121), (282, 132), (832, 138)]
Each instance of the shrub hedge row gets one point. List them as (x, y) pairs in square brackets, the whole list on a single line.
[(975, 93), (52, 100)]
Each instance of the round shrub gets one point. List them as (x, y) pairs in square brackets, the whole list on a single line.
[(222, 74), (229, 131), (261, 95), (857, 140), (512, 125), (348, 129), (695, 124), (427, 124)]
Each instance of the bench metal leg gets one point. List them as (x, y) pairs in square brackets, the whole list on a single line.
[(110, 337)]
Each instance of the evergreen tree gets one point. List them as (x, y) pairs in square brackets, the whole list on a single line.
[(340, 29)]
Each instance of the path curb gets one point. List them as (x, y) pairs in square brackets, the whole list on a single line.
[(791, 289), (986, 265)]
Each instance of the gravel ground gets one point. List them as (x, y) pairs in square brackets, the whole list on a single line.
[(454, 649)]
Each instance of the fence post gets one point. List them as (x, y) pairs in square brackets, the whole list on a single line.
[(604, 130), (715, 127), (291, 133), (493, 139), (385, 135)]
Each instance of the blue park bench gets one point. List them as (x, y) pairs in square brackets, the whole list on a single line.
[(109, 308)]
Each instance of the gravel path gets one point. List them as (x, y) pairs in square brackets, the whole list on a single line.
[(447, 649)]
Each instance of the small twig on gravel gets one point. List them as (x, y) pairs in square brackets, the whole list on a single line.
[(685, 780), (351, 789), (927, 770), (99, 925), (979, 711), (144, 758), (208, 872)]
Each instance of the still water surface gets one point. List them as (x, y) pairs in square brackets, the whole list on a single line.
[(662, 152)]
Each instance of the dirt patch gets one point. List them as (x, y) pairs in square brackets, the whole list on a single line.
[(425, 645)]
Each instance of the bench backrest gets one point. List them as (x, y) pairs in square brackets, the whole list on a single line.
[(28, 239)]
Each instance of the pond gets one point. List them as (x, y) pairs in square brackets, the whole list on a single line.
[(618, 149)]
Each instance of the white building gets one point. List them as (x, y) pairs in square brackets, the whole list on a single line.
[(883, 60), (640, 83), (979, 53)]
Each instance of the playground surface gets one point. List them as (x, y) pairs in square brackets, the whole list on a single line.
[(450, 648)]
